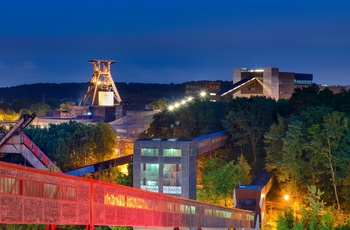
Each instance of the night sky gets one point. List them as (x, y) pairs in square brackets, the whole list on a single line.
[(51, 41)]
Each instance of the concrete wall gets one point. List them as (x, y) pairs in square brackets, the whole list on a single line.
[(271, 82)]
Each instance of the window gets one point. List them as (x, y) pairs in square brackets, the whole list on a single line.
[(172, 174), (33, 188), (149, 174), (51, 191), (36, 189), (9, 185), (247, 202), (68, 193), (149, 152), (172, 152), (192, 151)]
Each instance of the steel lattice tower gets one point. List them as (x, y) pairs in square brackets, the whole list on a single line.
[(101, 81)]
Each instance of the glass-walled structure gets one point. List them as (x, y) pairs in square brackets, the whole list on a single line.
[(166, 166)]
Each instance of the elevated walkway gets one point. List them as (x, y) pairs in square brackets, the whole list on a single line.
[(100, 166), (16, 142), (32, 196)]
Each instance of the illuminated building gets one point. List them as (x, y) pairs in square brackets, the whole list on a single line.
[(269, 82), (165, 166), (169, 165)]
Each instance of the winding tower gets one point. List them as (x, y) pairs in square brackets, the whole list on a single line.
[(101, 90)]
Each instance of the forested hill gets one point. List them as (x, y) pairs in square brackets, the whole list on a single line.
[(18, 97)]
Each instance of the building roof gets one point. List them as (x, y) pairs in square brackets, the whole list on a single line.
[(211, 135), (262, 178), (235, 86)]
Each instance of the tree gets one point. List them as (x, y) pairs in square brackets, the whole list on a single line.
[(66, 105), (159, 104), (24, 111), (324, 140), (304, 97), (314, 149), (274, 143), (105, 141), (40, 109), (220, 178), (71, 145), (248, 120), (188, 121), (8, 115), (11, 115), (292, 165)]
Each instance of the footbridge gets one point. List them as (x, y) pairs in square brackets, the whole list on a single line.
[(34, 196), (101, 165)]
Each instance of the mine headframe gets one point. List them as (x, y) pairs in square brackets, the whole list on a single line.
[(101, 89)]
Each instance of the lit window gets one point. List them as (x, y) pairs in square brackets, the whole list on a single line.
[(149, 152), (172, 152), (149, 174)]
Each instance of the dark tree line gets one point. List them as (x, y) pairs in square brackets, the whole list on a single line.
[(21, 97)]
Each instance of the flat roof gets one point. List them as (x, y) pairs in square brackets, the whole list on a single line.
[(211, 135)]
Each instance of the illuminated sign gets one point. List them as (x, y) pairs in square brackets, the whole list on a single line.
[(105, 98)]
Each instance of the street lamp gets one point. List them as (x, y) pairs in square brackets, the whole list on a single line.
[(286, 197)]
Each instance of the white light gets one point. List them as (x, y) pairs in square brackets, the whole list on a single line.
[(171, 107), (203, 94), (177, 105), (256, 70)]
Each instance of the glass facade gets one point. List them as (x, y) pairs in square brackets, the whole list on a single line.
[(150, 174), (172, 152), (303, 82), (149, 152), (172, 174)]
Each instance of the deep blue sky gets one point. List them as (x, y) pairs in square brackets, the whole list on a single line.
[(45, 41)]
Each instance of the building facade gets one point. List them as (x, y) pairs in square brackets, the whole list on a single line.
[(165, 166), (269, 82)]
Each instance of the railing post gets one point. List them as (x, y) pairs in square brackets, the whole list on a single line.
[(51, 227)]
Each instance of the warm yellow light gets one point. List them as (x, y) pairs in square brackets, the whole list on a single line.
[(203, 94), (286, 197), (124, 169)]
